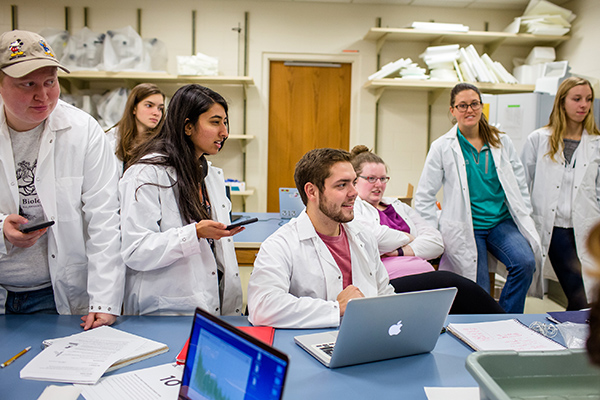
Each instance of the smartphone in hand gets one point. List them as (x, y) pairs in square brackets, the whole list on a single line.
[(33, 226), (241, 222)]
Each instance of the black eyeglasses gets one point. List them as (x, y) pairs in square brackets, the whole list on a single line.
[(373, 179), (463, 107)]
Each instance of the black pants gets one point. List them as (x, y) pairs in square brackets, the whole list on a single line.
[(470, 298), (566, 264)]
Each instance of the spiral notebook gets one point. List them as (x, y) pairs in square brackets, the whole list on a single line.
[(510, 334)]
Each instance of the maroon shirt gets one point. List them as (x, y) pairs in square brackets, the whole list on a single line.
[(340, 250)]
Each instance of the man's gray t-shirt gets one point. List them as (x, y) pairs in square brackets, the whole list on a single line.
[(24, 269)]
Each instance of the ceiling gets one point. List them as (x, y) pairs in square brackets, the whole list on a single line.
[(472, 4)]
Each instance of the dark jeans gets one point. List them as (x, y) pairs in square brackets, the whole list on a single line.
[(505, 242), (34, 302), (470, 298), (566, 264)]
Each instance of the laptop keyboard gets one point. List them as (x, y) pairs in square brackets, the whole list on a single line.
[(327, 348)]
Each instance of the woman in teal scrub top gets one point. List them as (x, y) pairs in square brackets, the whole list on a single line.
[(486, 206)]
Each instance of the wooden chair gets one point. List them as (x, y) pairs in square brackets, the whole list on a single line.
[(409, 195)]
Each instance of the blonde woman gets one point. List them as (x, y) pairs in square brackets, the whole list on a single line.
[(562, 163)]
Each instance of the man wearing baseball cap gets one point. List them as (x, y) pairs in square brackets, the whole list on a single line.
[(55, 165)]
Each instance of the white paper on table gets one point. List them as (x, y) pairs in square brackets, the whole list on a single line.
[(54, 392), (80, 359), (160, 382), (452, 393)]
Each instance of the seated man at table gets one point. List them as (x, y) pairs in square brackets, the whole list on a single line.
[(308, 270), (56, 165)]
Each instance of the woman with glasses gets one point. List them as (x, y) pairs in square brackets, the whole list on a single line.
[(562, 162), (486, 206), (174, 213), (424, 243)]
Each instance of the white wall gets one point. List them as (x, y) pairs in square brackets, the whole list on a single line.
[(288, 29), (582, 50)]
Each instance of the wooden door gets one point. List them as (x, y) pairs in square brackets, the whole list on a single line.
[(309, 107)]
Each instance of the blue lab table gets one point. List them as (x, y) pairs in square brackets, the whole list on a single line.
[(307, 379)]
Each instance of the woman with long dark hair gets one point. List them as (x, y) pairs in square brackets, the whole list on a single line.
[(486, 205), (174, 213)]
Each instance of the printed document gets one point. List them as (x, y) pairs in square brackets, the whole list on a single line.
[(79, 358), (160, 382)]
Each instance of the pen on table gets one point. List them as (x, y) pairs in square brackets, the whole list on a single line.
[(10, 360)]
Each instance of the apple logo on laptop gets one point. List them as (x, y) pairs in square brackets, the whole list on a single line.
[(395, 329)]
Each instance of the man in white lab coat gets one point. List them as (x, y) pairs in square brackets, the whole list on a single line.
[(56, 166), (307, 271)]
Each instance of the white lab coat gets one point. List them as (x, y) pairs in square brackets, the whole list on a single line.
[(428, 243), (445, 165), (170, 271), (296, 281), (112, 135), (544, 178), (76, 182)]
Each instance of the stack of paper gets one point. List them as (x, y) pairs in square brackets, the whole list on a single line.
[(86, 356), (542, 18), (413, 71), (441, 61), (390, 68), (508, 334), (474, 68), (437, 26)]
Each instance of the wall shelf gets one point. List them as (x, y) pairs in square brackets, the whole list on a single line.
[(248, 192), (490, 40), (131, 78), (435, 88)]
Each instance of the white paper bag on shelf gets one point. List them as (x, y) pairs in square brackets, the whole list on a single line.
[(111, 106), (84, 50), (200, 64), (157, 51), (124, 50)]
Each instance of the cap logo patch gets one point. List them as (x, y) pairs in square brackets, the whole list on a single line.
[(16, 50), (46, 48)]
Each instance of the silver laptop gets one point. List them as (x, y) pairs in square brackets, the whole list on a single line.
[(290, 203), (379, 328)]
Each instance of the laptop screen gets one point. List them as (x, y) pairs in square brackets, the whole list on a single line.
[(226, 363), (290, 203)]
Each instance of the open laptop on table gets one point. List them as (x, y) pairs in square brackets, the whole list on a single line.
[(379, 328), (290, 203), (225, 362)]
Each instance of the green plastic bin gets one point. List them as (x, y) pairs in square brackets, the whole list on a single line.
[(539, 375)]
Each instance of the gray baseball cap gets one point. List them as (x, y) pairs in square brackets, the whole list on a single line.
[(22, 52)]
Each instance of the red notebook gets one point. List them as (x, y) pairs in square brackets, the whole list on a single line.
[(263, 333)]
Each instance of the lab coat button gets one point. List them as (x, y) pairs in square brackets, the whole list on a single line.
[(12, 184), (99, 307), (217, 309), (109, 308), (183, 240), (53, 256), (222, 205), (213, 272)]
